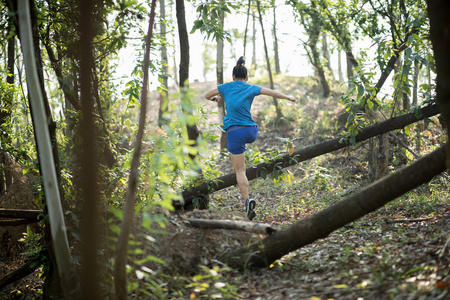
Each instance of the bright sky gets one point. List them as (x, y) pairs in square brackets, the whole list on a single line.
[(292, 54), (292, 58)]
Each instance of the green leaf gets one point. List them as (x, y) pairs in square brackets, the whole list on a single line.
[(360, 90)]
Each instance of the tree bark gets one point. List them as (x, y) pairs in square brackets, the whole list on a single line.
[(320, 225), (378, 156), (319, 68), (231, 225), (192, 130), (219, 70), (89, 222), (275, 42), (439, 12), (298, 156)]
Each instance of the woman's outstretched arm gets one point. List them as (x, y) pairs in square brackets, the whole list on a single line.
[(276, 94)]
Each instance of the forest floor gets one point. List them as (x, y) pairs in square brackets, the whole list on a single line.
[(400, 251), (397, 252)]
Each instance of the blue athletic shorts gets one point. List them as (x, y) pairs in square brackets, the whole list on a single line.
[(238, 136)]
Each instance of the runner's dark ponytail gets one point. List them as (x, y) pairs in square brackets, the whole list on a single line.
[(240, 71)]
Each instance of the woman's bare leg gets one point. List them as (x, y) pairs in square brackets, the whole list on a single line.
[(238, 161)]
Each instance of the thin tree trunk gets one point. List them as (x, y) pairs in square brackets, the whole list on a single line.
[(254, 41), (275, 42), (319, 68), (318, 226), (403, 84), (378, 156), (246, 26), (415, 83), (130, 197), (5, 108), (219, 70), (327, 56), (341, 75), (164, 94), (275, 101), (313, 27), (350, 73)]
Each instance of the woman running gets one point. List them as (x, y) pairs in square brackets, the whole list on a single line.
[(238, 122)]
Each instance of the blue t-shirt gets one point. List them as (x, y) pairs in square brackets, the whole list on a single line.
[(238, 96)]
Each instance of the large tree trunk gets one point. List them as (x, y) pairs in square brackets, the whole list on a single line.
[(275, 101), (263, 253), (305, 154), (439, 12), (89, 221)]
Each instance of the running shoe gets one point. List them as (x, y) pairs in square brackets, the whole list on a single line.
[(250, 205)]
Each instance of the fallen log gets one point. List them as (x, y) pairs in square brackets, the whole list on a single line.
[(231, 225), (21, 213), (210, 186), (17, 222), (20, 273), (408, 220), (320, 225)]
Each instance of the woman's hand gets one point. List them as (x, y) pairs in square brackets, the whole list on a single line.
[(292, 99), (216, 98)]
